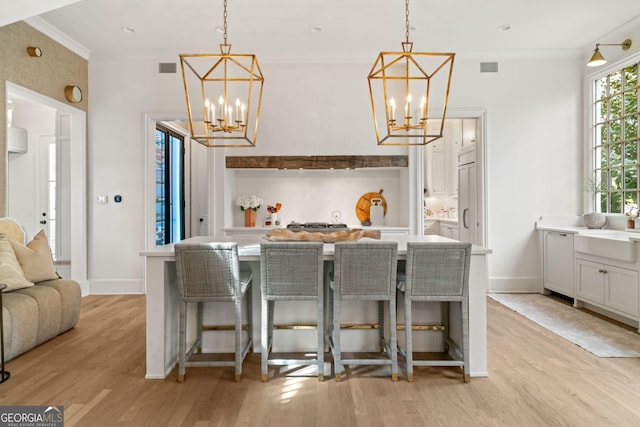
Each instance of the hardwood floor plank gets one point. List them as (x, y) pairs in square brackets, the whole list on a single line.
[(96, 371)]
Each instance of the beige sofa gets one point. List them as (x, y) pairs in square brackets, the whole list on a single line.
[(37, 305)]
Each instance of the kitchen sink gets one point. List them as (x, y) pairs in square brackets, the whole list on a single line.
[(612, 244)]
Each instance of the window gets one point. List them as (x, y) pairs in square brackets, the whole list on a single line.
[(615, 140), (170, 199)]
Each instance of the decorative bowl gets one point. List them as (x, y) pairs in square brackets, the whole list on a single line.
[(594, 220)]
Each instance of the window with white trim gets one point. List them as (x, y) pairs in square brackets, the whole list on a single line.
[(614, 151)]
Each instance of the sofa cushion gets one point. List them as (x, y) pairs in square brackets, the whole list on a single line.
[(49, 312), (35, 259), (20, 321), (70, 298), (10, 270), (36, 314)]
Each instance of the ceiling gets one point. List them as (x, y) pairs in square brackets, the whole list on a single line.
[(351, 29)]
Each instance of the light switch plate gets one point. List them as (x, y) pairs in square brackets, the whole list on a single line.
[(102, 199)]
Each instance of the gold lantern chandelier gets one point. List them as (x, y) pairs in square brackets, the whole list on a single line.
[(224, 94), (420, 80)]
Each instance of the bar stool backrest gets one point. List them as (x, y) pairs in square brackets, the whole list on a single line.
[(365, 268), (207, 270), (438, 269), (291, 269)]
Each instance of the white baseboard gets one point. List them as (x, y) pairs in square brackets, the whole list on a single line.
[(515, 284), (116, 287)]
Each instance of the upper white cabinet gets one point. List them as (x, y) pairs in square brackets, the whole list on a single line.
[(468, 132), (441, 178)]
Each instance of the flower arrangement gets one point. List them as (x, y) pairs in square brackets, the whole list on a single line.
[(249, 202), (631, 210)]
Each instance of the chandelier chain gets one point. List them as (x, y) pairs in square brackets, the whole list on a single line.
[(225, 21), (406, 22)]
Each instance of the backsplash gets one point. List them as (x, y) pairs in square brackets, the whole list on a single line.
[(314, 195)]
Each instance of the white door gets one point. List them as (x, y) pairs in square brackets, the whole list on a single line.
[(46, 189)]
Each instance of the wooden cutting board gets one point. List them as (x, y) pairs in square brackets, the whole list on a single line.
[(363, 207)]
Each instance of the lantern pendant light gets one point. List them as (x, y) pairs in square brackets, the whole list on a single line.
[(224, 94), (409, 93)]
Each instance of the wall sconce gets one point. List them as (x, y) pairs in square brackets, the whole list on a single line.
[(73, 94), (597, 59), (35, 52)]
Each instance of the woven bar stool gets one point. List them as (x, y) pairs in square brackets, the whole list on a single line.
[(364, 271), (211, 272), (437, 272), (291, 271)]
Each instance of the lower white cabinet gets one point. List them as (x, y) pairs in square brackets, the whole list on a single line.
[(558, 263), (431, 227), (607, 286), (449, 230)]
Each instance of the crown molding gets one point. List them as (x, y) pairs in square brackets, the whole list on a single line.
[(52, 32)]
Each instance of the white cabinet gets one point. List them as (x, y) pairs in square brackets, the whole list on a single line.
[(440, 178), (436, 168), (468, 196), (607, 286), (449, 230), (431, 227), (468, 132), (558, 262)]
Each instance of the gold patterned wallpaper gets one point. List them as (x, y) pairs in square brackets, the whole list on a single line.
[(48, 75)]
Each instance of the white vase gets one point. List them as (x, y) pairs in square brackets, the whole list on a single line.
[(594, 220)]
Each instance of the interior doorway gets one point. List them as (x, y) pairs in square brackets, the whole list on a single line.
[(438, 185), (46, 177)]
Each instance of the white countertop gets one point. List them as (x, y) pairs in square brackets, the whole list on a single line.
[(604, 233), (441, 219), (249, 249), (256, 230)]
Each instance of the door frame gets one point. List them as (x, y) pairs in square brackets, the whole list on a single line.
[(77, 178), (150, 122), (416, 171)]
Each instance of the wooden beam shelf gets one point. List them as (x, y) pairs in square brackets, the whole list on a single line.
[(316, 162)]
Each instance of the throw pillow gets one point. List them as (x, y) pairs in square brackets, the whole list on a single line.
[(10, 271), (35, 259), (12, 229)]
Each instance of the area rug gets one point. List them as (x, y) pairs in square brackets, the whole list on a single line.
[(602, 338)]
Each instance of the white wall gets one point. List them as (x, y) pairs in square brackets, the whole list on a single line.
[(534, 154), (533, 147)]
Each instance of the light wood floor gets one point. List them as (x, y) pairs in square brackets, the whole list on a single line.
[(96, 371)]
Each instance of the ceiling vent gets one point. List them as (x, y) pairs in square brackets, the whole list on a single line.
[(167, 68), (488, 67)]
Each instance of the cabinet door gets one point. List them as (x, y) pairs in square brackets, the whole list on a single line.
[(558, 263), (438, 173), (590, 281), (431, 227), (446, 231), (452, 139), (621, 290), (469, 132)]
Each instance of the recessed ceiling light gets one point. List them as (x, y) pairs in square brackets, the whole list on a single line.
[(128, 30), (316, 29), (505, 27)]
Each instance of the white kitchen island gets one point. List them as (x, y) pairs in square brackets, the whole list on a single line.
[(162, 299)]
